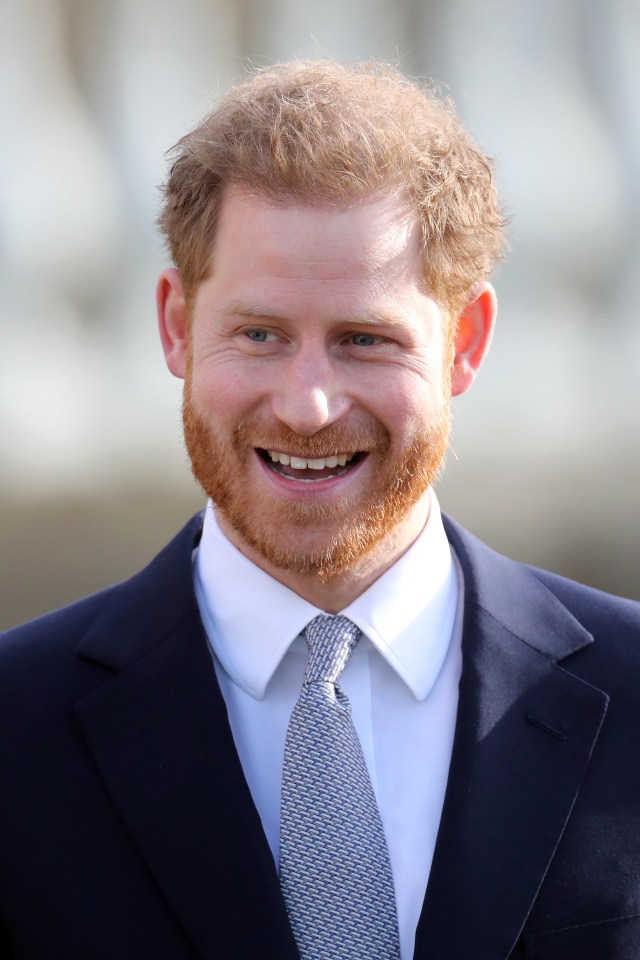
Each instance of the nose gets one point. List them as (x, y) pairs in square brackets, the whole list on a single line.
[(310, 394)]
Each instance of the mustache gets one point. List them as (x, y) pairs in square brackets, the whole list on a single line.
[(332, 439)]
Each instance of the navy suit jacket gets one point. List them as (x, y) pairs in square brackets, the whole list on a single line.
[(128, 830)]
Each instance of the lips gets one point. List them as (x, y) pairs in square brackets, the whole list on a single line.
[(306, 469)]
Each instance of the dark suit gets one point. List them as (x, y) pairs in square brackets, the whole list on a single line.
[(128, 830)]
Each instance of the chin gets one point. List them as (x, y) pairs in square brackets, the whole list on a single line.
[(326, 548)]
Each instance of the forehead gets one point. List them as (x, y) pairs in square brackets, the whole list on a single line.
[(373, 237)]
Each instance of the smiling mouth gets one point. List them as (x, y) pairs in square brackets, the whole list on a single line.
[(307, 469)]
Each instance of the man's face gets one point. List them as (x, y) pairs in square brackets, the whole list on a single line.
[(317, 389)]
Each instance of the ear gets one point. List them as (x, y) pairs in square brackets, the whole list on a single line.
[(473, 336), (172, 320)]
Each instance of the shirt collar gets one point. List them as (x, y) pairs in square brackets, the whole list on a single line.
[(252, 619)]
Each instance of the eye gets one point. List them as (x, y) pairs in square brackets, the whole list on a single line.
[(260, 336), (364, 340)]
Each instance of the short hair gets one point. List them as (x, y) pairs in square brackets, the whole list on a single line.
[(319, 131)]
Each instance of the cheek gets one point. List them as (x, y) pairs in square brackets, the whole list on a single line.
[(409, 405), (221, 393)]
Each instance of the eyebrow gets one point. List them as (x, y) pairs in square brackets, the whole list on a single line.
[(359, 318), (236, 308)]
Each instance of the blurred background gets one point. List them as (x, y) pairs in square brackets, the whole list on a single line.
[(546, 450)]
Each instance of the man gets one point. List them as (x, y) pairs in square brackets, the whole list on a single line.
[(181, 777)]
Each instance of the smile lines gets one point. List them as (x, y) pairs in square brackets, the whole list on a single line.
[(320, 463)]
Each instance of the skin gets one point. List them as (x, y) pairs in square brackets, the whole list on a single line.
[(313, 335)]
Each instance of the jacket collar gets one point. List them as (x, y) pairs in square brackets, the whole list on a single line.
[(159, 734), (525, 732)]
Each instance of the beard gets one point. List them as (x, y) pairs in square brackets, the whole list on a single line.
[(322, 539)]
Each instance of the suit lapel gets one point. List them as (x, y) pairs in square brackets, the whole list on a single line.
[(159, 734), (525, 731)]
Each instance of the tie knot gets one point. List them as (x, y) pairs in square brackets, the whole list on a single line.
[(330, 640)]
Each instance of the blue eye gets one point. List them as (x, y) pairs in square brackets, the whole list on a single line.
[(363, 340), (259, 336)]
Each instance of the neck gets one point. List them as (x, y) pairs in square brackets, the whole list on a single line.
[(335, 593)]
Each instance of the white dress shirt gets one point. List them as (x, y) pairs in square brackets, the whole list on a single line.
[(402, 681)]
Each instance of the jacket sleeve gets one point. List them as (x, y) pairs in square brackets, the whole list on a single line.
[(6, 950)]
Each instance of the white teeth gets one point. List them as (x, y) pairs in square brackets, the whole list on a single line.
[(279, 457), (299, 463)]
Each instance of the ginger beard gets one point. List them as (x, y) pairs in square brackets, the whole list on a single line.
[(323, 539)]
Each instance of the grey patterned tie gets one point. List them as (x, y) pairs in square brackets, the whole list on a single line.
[(334, 864)]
